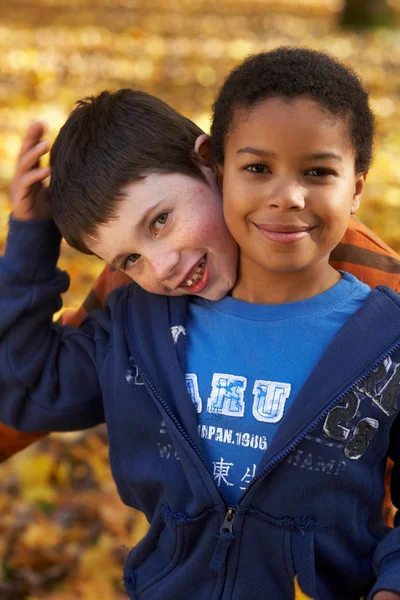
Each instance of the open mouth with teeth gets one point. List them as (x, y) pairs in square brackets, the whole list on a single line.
[(197, 278)]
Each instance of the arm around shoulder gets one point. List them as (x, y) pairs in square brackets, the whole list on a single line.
[(367, 257)]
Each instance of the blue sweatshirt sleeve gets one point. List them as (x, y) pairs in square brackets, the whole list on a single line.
[(387, 554), (49, 374)]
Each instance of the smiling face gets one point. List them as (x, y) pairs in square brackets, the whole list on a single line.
[(289, 188), (170, 237)]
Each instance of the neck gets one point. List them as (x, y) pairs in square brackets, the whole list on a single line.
[(271, 287)]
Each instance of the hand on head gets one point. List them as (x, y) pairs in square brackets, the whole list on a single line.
[(28, 193)]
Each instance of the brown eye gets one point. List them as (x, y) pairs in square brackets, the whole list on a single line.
[(319, 172), (257, 168)]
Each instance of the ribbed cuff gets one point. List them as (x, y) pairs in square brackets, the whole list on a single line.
[(388, 575)]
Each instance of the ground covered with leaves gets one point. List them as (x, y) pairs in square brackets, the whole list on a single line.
[(64, 533)]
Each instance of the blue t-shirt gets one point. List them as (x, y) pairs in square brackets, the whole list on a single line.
[(245, 365)]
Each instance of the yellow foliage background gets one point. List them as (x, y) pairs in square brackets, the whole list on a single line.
[(63, 528)]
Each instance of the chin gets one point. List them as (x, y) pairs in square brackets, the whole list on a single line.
[(218, 294)]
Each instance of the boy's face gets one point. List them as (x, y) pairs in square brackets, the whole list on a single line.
[(289, 188), (170, 237)]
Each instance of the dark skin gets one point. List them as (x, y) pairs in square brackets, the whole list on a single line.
[(29, 197)]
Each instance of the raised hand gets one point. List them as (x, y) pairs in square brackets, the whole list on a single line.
[(28, 194)]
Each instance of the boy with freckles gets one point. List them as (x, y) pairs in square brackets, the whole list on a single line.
[(280, 401), (360, 252)]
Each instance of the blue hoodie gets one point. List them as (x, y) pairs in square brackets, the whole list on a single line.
[(313, 509)]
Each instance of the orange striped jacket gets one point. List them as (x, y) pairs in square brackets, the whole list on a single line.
[(360, 252)]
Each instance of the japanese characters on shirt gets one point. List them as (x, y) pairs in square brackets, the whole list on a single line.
[(236, 423), (348, 426)]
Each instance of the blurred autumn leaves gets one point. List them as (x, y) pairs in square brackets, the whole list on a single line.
[(64, 533), (62, 527)]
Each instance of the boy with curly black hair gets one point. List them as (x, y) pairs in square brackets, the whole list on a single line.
[(252, 431), (292, 136)]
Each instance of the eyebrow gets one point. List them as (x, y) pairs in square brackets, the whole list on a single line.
[(256, 151), (270, 154), (115, 262), (324, 155)]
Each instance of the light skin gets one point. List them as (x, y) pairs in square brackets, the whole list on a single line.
[(170, 236), (169, 233), (28, 192), (271, 186)]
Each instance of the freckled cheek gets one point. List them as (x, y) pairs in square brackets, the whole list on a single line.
[(188, 237), (217, 234), (205, 232), (148, 283)]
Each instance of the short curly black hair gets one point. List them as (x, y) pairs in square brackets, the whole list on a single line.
[(291, 72)]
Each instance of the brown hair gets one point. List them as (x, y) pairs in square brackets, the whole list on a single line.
[(107, 142)]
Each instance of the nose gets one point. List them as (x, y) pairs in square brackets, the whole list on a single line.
[(164, 264), (286, 195)]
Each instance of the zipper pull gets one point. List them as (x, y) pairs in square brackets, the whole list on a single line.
[(225, 538), (228, 521)]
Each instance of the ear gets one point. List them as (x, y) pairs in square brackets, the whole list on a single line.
[(202, 148), (359, 188)]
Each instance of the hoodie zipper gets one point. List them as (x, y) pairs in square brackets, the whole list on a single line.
[(226, 535), (151, 386), (227, 525), (229, 516)]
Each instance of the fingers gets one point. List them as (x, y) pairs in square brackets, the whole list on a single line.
[(32, 137), (32, 177), (27, 193), (23, 187), (29, 198), (30, 158)]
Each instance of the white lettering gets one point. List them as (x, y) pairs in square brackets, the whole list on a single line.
[(227, 395), (269, 400)]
